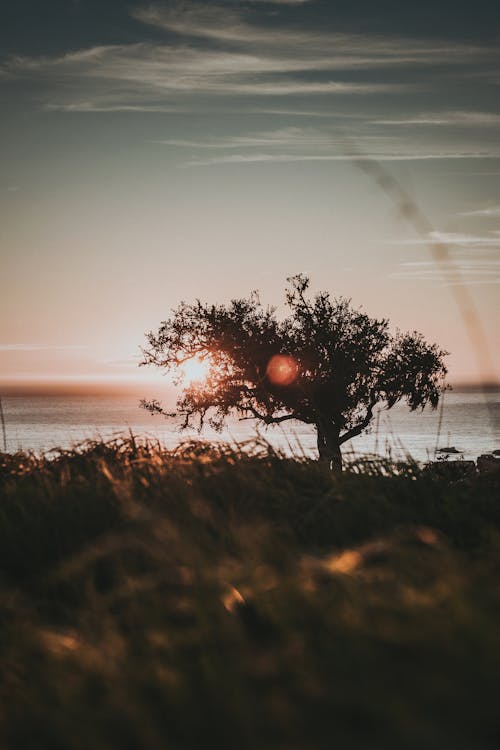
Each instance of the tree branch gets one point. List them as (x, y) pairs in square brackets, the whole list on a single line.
[(358, 429), (265, 417)]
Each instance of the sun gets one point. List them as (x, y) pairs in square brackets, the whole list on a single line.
[(194, 370)]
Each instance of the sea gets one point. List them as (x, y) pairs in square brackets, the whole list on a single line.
[(468, 421)]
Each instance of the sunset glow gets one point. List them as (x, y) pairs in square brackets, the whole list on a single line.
[(195, 370)]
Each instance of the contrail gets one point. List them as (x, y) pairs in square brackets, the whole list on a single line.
[(440, 251)]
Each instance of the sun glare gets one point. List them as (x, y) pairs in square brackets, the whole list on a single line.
[(195, 370)]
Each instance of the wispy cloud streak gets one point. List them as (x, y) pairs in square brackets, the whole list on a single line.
[(488, 211), (476, 271), (475, 259), (41, 347), (455, 239), (311, 143), (151, 76), (321, 47), (224, 52), (381, 156), (459, 119)]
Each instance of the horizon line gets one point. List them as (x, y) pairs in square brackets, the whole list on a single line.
[(109, 385)]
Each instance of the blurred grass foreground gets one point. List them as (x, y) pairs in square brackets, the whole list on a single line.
[(215, 598)]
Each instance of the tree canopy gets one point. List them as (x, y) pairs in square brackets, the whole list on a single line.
[(327, 364)]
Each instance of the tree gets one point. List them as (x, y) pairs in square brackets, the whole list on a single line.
[(327, 364)]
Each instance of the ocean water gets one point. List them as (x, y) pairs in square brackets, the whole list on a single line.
[(470, 421)]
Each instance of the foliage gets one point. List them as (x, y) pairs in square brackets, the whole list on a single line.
[(207, 597), (326, 364)]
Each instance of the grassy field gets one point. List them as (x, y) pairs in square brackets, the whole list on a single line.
[(209, 598)]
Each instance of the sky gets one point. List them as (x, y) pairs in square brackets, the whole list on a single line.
[(167, 151)]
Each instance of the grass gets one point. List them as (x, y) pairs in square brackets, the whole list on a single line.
[(210, 598)]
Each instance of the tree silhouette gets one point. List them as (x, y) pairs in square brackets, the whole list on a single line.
[(327, 364)]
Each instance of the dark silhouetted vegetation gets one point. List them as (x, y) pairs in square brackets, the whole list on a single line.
[(327, 365), (214, 598)]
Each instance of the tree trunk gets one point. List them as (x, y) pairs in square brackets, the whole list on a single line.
[(329, 447)]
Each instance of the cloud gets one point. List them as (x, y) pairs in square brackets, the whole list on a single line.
[(288, 137), (460, 119), (214, 59), (326, 48), (96, 106), (284, 158), (455, 239), (464, 271), (316, 143), (489, 211), (219, 52), (93, 106), (41, 347), (472, 259), (146, 77), (12, 189)]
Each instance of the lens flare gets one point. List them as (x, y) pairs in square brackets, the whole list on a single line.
[(282, 369)]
